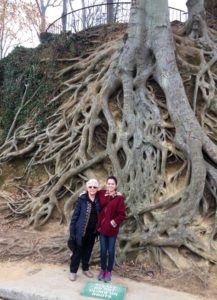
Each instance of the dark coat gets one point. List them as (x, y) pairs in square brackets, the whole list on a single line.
[(80, 219)]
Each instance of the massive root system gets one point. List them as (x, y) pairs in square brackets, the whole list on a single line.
[(125, 109)]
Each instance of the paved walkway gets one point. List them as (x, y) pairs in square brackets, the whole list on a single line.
[(27, 281)]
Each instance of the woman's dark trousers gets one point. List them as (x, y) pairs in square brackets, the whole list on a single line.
[(82, 253)]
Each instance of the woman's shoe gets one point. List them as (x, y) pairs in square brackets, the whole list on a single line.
[(88, 274), (107, 277), (101, 275), (72, 276)]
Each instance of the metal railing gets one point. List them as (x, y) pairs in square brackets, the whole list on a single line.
[(101, 14)]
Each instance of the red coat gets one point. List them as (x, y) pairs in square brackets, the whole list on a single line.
[(111, 208)]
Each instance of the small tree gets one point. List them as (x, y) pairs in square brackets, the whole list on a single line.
[(12, 22)]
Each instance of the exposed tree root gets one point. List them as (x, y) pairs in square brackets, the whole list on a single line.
[(124, 110)]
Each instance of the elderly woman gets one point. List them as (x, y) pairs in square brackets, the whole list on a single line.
[(83, 229)]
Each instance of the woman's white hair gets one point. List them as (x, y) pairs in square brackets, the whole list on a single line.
[(92, 182)]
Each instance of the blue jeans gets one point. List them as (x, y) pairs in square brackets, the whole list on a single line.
[(107, 252)]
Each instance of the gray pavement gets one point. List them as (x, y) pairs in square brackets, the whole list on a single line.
[(27, 281)]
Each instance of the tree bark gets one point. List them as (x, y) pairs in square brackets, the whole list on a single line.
[(64, 16), (149, 52), (84, 17), (196, 25), (110, 11)]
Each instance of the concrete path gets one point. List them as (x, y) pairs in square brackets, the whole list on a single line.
[(27, 281)]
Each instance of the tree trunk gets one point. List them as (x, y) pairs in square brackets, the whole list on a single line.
[(64, 16), (149, 53), (84, 17), (196, 26), (42, 10), (195, 7), (110, 11)]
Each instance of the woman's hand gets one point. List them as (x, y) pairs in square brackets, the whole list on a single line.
[(113, 223)]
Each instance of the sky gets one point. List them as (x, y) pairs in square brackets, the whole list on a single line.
[(179, 4), (55, 13)]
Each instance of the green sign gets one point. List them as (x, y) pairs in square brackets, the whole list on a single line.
[(104, 290)]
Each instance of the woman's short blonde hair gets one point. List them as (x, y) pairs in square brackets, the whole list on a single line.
[(92, 182)]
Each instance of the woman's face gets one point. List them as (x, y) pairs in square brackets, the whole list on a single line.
[(111, 185), (92, 189)]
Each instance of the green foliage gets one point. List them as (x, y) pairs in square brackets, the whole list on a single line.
[(22, 68), (36, 69)]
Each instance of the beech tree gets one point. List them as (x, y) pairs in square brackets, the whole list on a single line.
[(127, 109), (6, 34), (12, 22), (17, 18)]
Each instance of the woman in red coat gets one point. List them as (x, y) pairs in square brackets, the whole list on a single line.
[(111, 214)]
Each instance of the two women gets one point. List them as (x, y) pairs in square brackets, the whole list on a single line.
[(105, 211)]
